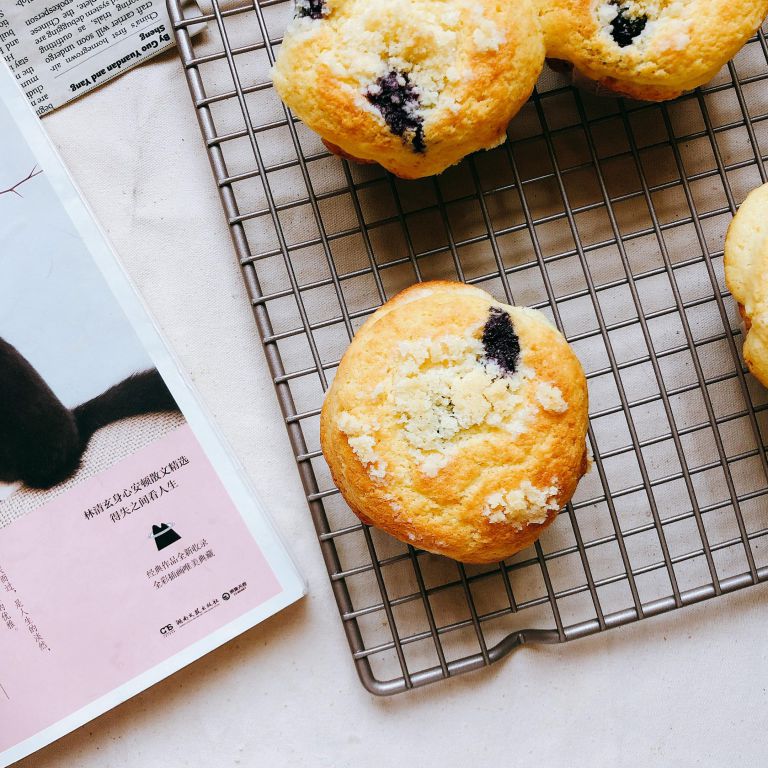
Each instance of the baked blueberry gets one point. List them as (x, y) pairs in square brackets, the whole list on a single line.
[(627, 28), (500, 341), (396, 97), (313, 9)]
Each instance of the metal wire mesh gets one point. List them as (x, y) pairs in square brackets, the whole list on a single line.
[(607, 215)]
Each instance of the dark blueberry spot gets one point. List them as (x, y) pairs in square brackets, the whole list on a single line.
[(500, 340), (314, 9), (625, 27), (397, 98)]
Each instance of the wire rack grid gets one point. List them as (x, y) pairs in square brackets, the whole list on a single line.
[(609, 216)]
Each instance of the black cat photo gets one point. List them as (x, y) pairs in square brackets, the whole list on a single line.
[(42, 442)]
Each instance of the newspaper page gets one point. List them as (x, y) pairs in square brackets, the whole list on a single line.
[(61, 49)]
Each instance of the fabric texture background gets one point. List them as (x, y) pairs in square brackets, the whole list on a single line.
[(685, 687)]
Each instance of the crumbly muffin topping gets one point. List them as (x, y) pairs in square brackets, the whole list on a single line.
[(362, 443), (522, 506), (445, 389), (550, 398), (439, 392)]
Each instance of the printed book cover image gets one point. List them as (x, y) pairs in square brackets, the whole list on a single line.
[(130, 544)]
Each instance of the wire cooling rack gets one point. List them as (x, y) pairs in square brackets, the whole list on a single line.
[(607, 215)]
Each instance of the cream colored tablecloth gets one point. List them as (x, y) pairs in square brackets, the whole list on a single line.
[(685, 689)]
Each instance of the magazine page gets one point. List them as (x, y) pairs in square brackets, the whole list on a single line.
[(130, 543)]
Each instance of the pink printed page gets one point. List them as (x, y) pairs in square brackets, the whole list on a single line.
[(121, 573)]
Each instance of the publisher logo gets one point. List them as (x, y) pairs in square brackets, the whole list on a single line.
[(193, 615), (235, 590), (203, 608)]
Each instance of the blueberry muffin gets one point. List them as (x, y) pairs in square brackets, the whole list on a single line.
[(457, 423), (414, 85), (746, 274), (648, 49)]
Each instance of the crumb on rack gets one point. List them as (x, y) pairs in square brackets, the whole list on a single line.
[(590, 458)]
